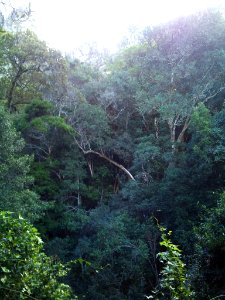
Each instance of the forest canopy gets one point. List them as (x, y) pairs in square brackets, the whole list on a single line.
[(102, 156)]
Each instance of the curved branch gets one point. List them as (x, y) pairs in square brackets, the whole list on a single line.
[(121, 167)]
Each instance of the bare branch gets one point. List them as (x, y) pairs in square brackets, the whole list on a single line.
[(214, 95), (107, 159)]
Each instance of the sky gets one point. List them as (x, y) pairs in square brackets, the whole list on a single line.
[(71, 24)]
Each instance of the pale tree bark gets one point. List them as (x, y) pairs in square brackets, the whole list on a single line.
[(172, 126), (102, 155), (79, 202), (156, 125), (184, 129), (90, 165), (174, 140)]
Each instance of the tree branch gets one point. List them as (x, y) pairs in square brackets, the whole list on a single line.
[(214, 95), (121, 167)]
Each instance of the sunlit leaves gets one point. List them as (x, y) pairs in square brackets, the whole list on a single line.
[(26, 272)]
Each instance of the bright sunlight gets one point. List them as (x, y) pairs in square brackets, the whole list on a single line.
[(68, 25)]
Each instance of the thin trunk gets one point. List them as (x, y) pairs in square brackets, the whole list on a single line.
[(173, 137), (102, 194), (180, 137), (19, 73), (11, 91), (116, 185), (90, 165), (127, 120), (172, 126), (185, 127), (156, 123), (79, 203)]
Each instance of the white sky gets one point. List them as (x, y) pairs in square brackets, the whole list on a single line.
[(69, 24)]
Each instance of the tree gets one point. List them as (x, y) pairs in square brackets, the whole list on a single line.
[(15, 17), (26, 272), (14, 173), (91, 124), (48, 138), (56, 86), (42, 130), (24, 62), (83, 107), (176, 75)]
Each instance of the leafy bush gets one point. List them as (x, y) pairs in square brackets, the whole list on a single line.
[(26, 272), (173, 283)]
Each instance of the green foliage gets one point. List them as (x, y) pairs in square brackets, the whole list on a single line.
[(211, 232), (24, 58), (26, 272), (45, 185), (45, 123), (149, 160), (202, 124), (118, 249), (156, 109), (14, 173), (209, 265), (38, 108), (219, 138), (173, 282), (38, 116), (91, 124)]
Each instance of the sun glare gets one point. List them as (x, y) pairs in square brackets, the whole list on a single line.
[(69, 24)]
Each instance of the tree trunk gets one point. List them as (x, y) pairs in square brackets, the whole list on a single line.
[(11, 91), (79, 202), (19, 73), (156, 125), (173, 125), (185, 127)]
